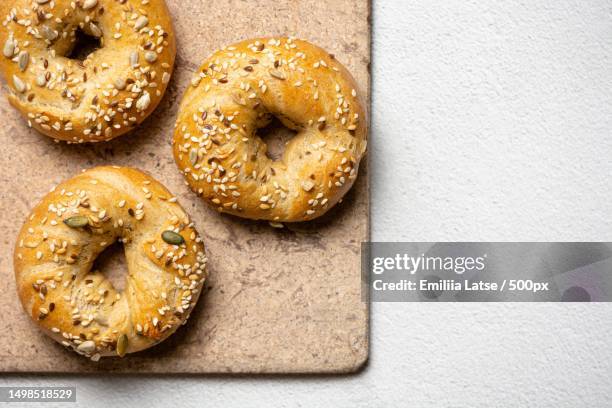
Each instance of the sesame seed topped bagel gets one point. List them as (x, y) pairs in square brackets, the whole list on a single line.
[(237, 91), (106, 94), (79, 307)]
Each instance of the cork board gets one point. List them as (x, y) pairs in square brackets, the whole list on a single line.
[(277, 301)]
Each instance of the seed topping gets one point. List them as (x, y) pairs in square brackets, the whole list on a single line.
[(172, 238), (78, 221)]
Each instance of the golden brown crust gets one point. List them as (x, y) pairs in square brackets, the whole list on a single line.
[(235, 92), (109, 93), (72, 225)]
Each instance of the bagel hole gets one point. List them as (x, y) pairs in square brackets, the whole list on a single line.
[(276, 136), (113, 265), (84, 45)]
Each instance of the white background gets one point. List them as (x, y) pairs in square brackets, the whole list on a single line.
[(492, 120)]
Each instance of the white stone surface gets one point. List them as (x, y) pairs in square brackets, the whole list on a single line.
[(492, 120)]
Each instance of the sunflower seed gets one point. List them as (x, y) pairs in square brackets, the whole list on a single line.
[(95, 30), (42, 1), (101, 320), (20, 86), (41, 80), (89, 4), (9, 48), (24, 60), (193, 156), (142, 22), (78, 221), (122, 345), (49, 33), (277, 74), (151, 56), (143, 102), (134, 58), (238, 99), (173, 238), (120, 84), (87, 347), (307, 185)]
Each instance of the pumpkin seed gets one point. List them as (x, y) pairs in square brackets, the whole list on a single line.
[(173, 238), (9, 48), (24, 60), (78, 221), (122, 345), (42, 1)]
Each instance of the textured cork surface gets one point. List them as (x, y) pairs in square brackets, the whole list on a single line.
[(278, 301)]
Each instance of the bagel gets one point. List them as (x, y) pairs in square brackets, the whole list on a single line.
[(71, 226), (104, 96), (238, 90)]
